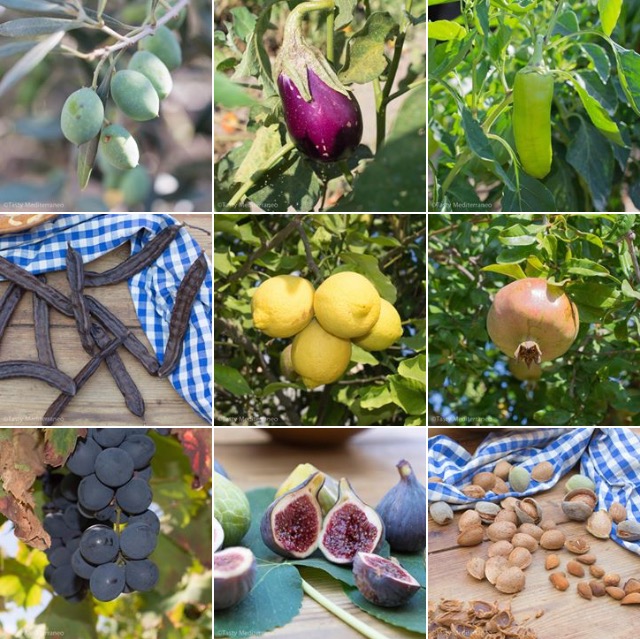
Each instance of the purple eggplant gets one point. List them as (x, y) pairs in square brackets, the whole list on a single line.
[(326, 129)]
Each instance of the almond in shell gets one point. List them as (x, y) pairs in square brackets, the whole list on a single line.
[(471, 536), (510, 580)]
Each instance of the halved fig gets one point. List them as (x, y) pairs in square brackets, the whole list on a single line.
[(291, 525), (350, 527), (382, 581), (234, 573)]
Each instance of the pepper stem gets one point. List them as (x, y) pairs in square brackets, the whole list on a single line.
[(536, 60)]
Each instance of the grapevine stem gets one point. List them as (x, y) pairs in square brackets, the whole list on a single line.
[(349, 619)]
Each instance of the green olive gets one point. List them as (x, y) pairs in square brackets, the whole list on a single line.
[(135, 95), (155, 70), (135, 185), (82, 115), (119, 147), (165, 45)]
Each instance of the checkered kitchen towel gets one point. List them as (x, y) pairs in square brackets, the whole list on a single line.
[(609, 456), (44, 248)]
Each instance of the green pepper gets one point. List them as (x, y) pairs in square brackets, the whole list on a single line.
[(532, 97)]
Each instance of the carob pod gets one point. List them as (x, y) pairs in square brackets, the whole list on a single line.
[(134, 263), (75, 277), (181, 313), (8, 303), (130, 341), (62, 401), (35, 370), (41, 329), (132, 397), (26, 280)]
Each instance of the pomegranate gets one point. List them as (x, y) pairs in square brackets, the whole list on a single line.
[(532, 321), (525, 373)]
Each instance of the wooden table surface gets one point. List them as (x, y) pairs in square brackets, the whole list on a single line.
[(564, 615), (23, 402), (368, 459)]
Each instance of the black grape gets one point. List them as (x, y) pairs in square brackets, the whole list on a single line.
[(93, 494), (80, 566), (73, 544), (56, 526), (138, 541), (74, 519), (143, 473), (107, 582), (141, 448), (69, 487), (83, 459), (141, 575), (60, 556), (149, 518), (65, 581), (134, 497), (99, 544), (114, 467), (163, 431), (108, 437)]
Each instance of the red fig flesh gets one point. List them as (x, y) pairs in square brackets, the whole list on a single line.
[(291, 525), (349, 527), (382, 581), (326, 129), (234, 573)]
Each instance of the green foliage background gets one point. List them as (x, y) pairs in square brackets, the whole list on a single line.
[(386, 387), (597, 381)]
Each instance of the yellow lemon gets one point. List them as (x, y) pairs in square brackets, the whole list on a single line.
[(283, 305), (319, 357), (347, 304), (385, 331), (286, 365)]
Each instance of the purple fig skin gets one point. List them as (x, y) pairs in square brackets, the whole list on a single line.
[(383, 582), (327, 129), (303, 511), (234, 574), (404, 512)]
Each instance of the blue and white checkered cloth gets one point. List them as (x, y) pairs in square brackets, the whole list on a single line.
[(608, 456), (153, 290)]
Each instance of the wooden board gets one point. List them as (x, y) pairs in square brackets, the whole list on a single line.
[(368, 460), (564, 615)]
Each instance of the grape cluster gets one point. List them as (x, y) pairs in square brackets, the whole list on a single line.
[(102, 531)]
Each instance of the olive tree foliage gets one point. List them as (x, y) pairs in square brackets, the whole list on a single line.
[(594, 257), (64, 71), (379, 388)]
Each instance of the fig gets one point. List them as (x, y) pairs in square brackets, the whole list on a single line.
[(234, 573), (382, 581), (291, 525), (231, 508), (327, 128), (349, 527), (82, 115), (404, 512), (328, 494), (165, 45), (135, 96), (218, 535)]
